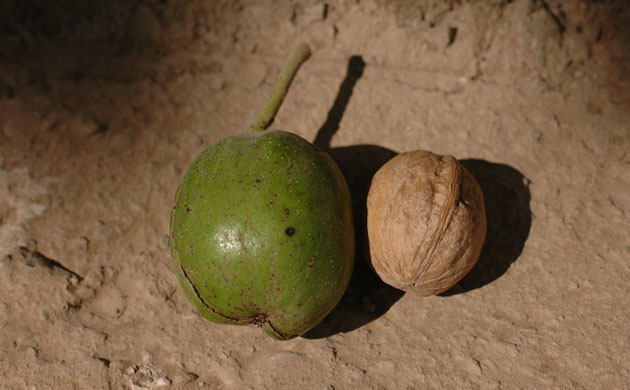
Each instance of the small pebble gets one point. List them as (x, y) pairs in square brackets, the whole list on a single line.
[(161, 382), (164, 242)]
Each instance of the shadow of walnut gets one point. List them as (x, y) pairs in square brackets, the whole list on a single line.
[(506, 197)]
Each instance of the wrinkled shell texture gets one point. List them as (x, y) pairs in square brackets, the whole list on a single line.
[(426, 222)]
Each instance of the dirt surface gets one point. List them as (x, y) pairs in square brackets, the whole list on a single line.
[(104, 104)]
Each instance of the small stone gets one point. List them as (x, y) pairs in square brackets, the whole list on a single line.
[(162, 382), (31, 353), (164, 242), (81, 243)]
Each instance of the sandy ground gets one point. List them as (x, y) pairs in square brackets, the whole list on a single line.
[(104, 104)]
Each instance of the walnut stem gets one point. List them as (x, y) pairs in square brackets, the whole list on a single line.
[(300, 54)]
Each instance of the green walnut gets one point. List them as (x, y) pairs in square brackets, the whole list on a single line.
[(261, 232)]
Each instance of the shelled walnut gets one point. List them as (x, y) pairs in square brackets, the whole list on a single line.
[(426, 222)]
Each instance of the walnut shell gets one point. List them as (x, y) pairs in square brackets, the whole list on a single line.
[(426, 222)]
